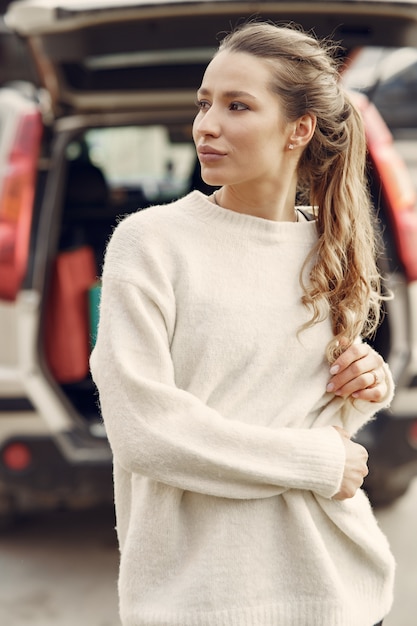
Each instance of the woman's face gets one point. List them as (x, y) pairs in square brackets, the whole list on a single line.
[(240, 130)]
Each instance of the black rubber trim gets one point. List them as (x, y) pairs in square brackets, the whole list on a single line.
[(16, 405)]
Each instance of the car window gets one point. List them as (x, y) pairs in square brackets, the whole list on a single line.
[(155, 160)]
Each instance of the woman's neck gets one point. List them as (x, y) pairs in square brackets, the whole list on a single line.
[(275, 206)]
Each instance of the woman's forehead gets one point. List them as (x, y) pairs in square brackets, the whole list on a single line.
[(238, 71)]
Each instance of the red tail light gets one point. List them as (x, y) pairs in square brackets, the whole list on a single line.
[(412, 435), (398, 186), (17, 456), (17, 192)]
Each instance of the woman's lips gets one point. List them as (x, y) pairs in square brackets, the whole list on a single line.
[(209, 155)]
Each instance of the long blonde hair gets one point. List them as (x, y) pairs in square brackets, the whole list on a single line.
[(344, 281)]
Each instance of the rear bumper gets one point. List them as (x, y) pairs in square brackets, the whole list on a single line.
[(48, 479)]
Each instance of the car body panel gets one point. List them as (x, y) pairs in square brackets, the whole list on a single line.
[(107, 64)]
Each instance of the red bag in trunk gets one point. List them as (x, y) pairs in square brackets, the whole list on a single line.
[(67, 327)]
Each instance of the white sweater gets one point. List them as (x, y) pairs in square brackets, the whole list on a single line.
[(216, 409)]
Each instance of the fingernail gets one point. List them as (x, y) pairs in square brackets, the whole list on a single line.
[(330, 387), (334, 369)]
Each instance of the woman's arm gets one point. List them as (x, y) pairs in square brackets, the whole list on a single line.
[(165, 433)]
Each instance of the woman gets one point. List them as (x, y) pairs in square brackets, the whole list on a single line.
[(236, 481)]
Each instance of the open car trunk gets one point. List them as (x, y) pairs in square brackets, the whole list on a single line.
[(102, 173), (121, 78), (117, 86)]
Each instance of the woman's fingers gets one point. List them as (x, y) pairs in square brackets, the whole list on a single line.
[(358, 372), (356, 467)]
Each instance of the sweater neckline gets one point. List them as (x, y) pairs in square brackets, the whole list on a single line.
[(202, 208)]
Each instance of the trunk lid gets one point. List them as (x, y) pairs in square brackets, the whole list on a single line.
[(93, 55)]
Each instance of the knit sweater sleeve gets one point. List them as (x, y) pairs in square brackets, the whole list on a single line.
[(166, 433)]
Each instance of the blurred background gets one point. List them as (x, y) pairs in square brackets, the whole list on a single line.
[(96, 106)]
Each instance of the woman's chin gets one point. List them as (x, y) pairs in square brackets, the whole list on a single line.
[(213, 181)]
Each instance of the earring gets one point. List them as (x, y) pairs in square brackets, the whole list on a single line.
[(290, 146)]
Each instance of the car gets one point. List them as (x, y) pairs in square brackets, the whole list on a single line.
[(102, 128), (388, 76)]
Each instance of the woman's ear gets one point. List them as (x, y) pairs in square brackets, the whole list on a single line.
[(303, 130)]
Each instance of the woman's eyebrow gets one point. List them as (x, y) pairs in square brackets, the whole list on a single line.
[(228, 94)]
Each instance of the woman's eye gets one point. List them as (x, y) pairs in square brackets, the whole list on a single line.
[(238, 106), (202, 105)]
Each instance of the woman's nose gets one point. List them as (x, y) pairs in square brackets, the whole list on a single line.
[(208, 123)]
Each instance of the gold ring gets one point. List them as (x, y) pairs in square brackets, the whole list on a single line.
[(376, 379)]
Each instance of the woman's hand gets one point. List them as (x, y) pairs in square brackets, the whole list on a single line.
[(355, 467), (359, 373)]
